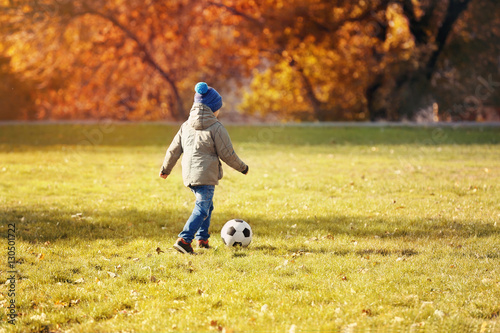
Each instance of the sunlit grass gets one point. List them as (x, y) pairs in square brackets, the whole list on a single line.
[(390, 228)]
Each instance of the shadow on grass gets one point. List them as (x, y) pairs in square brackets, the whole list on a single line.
[(41, 224), (368, 226), (33, 136)]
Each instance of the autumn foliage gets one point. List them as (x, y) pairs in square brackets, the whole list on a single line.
[(297, 59)]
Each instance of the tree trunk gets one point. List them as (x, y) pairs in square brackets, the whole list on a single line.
[(455, 8), (317, 105), (414, 86), (375, 108)]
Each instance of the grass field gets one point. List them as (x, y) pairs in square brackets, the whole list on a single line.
[(355, 229)]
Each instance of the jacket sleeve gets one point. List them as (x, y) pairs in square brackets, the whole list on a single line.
[(226, 151), (173, 153)]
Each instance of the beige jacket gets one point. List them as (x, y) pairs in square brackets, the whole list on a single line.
[(202, 140)]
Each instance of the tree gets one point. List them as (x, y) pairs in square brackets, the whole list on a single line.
[(410, 81), (305, 59), (329, 60), (317, 56), (112, 59), (468, 79), (15, 94)]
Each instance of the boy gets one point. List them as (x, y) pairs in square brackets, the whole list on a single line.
[(203, 140)]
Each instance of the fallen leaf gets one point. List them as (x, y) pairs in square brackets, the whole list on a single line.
[(215, 325), (80, 280), (112, 275), (158, 250), (59, 304), (439, 313), (495, 314)]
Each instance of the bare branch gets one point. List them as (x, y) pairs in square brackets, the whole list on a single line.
[(236, 12)]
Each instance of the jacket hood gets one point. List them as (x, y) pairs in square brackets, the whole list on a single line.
[(201, 117)]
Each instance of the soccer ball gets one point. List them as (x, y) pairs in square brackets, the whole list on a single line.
[(236, 232)]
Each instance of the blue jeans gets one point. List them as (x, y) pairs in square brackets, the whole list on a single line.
[(199, 221)]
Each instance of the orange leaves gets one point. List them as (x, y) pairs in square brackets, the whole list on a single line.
[(134, 14), (27, 9), (317, 59)]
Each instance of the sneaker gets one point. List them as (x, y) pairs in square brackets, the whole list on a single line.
[(203, 244), (182, 246)]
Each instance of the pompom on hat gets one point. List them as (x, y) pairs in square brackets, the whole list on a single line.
[(208, 96)]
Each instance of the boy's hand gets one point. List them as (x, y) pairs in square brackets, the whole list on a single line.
[(162, 175)]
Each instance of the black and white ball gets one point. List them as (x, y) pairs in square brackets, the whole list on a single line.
[(236, 233)]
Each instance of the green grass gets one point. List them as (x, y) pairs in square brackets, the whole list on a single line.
[(387, 229)]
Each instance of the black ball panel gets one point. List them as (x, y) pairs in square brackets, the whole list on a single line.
[(231, 231)]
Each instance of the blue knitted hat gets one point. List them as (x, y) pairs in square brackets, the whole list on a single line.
[(208, 96)]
